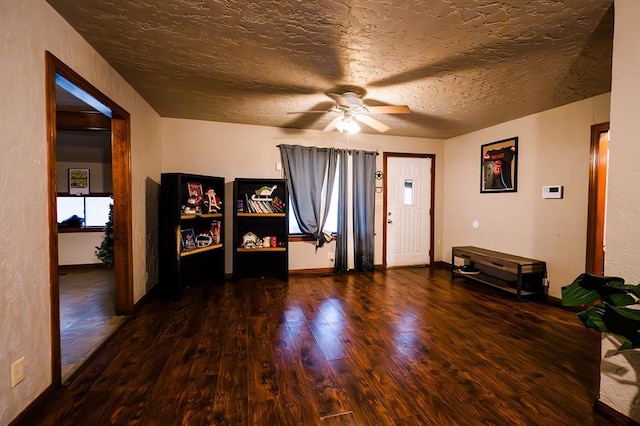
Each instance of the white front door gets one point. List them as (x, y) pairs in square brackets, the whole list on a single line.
[(407, 218)]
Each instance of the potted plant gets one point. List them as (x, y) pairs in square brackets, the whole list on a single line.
[(611, 314)]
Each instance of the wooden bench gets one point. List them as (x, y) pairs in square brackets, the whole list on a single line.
[(518, 275)]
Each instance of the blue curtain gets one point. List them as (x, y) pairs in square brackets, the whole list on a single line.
[(340, 265), (364, 168), (305, 169)]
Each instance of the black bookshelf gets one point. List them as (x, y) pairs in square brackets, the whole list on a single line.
[(260, 229), (191, 231)]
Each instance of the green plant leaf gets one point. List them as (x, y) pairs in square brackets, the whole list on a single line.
[(621, 321), (588, 288)]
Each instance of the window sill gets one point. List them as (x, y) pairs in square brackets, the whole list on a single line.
[(298, 238), (87, 229)]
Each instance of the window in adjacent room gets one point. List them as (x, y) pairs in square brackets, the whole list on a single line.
[(83, 211)]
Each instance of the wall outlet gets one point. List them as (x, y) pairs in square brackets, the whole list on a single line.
[(17, 372), (331, 256)]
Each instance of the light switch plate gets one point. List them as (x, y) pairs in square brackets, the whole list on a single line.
[(17, 372)]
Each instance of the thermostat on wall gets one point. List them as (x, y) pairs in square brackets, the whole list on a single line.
[(552, 191)]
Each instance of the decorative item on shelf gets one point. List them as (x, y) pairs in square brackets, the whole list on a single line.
[(188, 239), (195, 191), (249, 240), (211, 202), (264, 193), (215, 231), (274, 241), (203, 240), (278, 205), (266, 241), (190, 208)]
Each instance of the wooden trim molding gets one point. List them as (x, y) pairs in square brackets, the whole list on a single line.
[(51, 64), (122, 230), (597, 198), (121, 145), (615, 416), (67, 120), (80, 230)]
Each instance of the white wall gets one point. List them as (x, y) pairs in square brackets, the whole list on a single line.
[(553, 148), (620, 372), (235, 150), (78, 248), (99, 176), (28, 29)]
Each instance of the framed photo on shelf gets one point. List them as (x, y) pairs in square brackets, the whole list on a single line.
[(188, 239), (78, 181), (499, 166), (195, 191)]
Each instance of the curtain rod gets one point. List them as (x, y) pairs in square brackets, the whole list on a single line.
[(348, 150)]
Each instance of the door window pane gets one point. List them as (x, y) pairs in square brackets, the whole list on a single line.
[(408, 192)]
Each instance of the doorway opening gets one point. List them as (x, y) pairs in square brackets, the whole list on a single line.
[(112, 118), (597, 210), (408, 228)]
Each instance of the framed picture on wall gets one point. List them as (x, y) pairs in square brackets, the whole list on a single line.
[(499, 166), (78, 181)]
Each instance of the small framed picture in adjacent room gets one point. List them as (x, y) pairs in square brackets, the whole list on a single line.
[(78, 181), (499, 166)]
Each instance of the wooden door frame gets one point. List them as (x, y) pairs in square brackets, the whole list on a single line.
[(597, 201), (385, 157), (122, 214)]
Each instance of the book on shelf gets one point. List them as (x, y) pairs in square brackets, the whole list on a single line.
[(261, 206)]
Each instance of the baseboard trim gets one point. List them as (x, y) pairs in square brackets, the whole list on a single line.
[(615, 416), (442, 264), (83, 266), (31, 411), (324, 271), (311, 271)]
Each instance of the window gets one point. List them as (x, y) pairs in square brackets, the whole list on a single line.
[(408, 192), (84, 211), (331, 224)]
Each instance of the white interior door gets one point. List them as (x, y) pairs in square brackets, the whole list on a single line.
[(408, 211)]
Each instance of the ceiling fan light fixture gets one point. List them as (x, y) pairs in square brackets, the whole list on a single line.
[(348, 124)]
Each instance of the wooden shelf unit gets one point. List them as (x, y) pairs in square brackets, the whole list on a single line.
[(515, 274), (180, 267), (258, 262)]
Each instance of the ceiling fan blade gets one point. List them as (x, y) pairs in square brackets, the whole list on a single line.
[(309, 112), (372, 122), (333, 123), (389, 109)]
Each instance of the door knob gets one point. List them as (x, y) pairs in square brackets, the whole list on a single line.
[(389, 221)]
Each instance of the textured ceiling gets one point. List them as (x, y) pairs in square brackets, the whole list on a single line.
[(460, 65)]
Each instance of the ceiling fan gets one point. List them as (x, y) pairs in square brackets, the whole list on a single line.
[(351, 110)]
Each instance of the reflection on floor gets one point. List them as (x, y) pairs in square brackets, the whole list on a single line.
[(87, 313)]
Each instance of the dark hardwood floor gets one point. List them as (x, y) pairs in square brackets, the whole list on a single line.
[(400, 347)]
